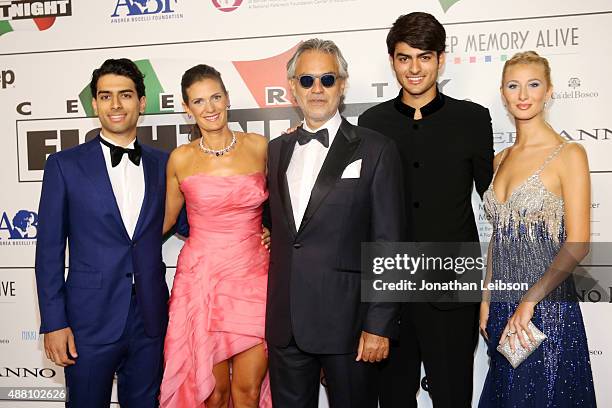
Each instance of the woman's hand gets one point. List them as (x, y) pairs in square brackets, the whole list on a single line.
[(290, 130), (484, 318), (517, 324), (265, 237)]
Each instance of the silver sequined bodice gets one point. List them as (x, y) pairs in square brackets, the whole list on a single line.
[(530, 205), (528, 229)]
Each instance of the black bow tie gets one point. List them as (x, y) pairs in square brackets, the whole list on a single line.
[(304, 136), (116, 152)]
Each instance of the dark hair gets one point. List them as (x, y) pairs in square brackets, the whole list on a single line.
[(198, 73), (123, 67), (418, 30), (190, 77)]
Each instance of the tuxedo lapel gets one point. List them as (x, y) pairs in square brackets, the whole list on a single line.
[(340, 153), (150, 166), (94, 166), (286, 151)]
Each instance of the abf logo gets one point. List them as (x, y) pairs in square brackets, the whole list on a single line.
[(36, 15), (142, 7), (267, 79), (226, 5), (22, 225)]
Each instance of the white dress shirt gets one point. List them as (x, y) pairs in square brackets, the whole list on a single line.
[(305, 165), (127, 180)]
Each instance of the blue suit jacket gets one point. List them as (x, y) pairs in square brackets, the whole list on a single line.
[(77, 205)]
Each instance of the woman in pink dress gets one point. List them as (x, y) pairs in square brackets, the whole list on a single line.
[(214, 349)]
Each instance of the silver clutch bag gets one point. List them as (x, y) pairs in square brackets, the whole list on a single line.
[(520, 353)]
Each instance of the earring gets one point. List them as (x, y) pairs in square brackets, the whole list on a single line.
[(189, 116), (545, 104), (228, 106)]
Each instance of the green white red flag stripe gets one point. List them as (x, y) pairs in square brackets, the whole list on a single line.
[(31, 24)]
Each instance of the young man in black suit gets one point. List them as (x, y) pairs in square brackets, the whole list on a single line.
[(446, 146), (326, 197)]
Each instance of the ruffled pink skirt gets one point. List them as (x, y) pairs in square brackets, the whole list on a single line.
[(217, 310)]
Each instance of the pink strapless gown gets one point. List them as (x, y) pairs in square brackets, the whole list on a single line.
[(218, 301)]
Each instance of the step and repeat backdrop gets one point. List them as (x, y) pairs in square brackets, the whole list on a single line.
[(48, 50)]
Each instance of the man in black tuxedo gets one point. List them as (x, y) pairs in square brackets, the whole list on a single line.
[(326, 197), (446, 146)]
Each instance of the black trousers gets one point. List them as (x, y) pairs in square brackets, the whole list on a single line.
[(295, 376), (444, 341)]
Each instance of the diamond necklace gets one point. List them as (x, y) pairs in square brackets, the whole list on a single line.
[(219, 152)]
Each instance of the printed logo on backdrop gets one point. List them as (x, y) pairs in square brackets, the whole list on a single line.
[(265, 4), (164, 128), (38, 138), (267, 79), (574, 90), (446, 4), (8, 291), (27, 372), (130, 11), (227, 5), (31, 15), (573, 83), (485, 229), (19, 228), (161, 126), (580, 133), (29, 335), (498, 46), (596, 224), (289, 4), (7, 78)]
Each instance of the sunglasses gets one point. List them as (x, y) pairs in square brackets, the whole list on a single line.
[(307, 80)]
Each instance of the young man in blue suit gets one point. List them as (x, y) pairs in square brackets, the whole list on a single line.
[(106, 199)]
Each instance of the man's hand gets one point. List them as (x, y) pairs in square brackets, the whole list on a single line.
[(484, 318), (57, 345), (372, 348), (265, 237)]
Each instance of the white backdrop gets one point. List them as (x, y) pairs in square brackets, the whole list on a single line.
[(46, 64)]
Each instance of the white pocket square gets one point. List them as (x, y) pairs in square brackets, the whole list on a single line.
[(353, 170)]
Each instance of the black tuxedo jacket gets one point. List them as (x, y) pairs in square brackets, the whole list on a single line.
[(314, 279)]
